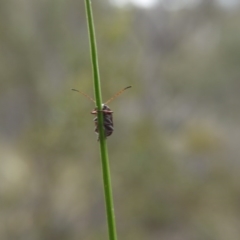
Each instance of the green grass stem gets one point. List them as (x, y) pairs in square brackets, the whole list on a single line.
[(102, 138)]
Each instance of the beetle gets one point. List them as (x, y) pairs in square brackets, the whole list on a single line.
[(107, 113)]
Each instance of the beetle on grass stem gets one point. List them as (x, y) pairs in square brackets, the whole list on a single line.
[(107, 113)]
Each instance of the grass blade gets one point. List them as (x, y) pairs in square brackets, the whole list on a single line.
[(102, 139)]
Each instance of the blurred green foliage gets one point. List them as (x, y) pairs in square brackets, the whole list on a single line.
[(175, 150)]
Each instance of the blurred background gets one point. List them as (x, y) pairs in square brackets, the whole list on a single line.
[(174, 154)]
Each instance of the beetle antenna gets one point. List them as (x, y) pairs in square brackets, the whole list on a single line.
[(84, 94), (117, 94)]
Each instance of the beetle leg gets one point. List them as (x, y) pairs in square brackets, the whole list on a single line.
[(104, 111)]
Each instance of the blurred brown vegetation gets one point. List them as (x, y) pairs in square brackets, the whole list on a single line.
[(175, 150)]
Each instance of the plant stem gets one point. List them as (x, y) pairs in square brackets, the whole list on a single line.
[(102, 138)]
